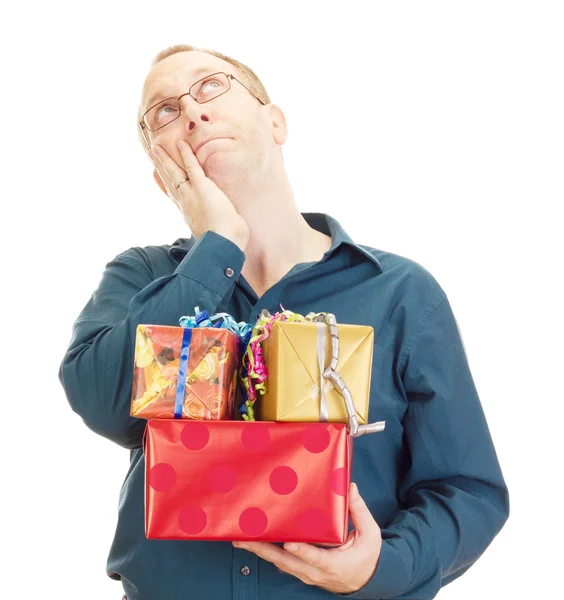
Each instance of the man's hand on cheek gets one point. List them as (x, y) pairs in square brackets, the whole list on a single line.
[(204, 205), (341, 570)]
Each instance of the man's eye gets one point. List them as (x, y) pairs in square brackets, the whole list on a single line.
[(165, 112), (213, 84), (210, 87)]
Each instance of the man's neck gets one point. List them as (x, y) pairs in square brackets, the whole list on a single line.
[(280, 237)]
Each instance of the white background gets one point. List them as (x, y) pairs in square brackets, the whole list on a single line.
[(432, 130)]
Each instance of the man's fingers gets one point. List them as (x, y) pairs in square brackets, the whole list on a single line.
[(275, 555), (314, 556), (167, 167), (191, 164)]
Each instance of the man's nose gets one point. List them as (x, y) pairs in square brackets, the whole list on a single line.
[(193, 112)]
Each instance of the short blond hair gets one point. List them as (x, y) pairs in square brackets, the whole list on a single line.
[(248, 76)]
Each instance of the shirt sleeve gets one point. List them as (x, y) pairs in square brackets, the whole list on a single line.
[(455, 497), (97, 369)]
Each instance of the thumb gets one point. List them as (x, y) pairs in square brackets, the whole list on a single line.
[(361, 517)]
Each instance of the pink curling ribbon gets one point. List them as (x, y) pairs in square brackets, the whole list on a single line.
[(256, 373)]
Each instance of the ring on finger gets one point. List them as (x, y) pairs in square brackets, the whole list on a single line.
[(181, 182)]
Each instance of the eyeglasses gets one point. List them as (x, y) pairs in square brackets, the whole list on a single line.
[(208, 88)]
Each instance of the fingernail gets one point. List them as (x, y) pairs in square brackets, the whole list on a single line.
[(180, 144), (242, 546), (355, 491), (155, 148), (291, 547)]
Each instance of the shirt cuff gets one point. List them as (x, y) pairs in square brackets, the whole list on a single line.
[(393, 573), (214, 261)]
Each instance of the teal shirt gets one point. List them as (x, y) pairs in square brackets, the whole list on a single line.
[(431, 479)]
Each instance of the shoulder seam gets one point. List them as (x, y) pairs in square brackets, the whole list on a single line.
[(437, 301), (146, 263)]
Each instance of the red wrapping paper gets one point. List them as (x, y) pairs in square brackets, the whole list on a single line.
[(236, 480)]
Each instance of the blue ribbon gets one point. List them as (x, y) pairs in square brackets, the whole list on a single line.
[(182, 370), (202, 319)]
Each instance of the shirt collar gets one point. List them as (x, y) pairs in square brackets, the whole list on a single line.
[(320, 221), (330, 226)]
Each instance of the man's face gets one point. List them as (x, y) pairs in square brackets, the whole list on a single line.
[(251, 131)]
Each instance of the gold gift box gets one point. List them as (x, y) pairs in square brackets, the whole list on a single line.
[(292, 386)]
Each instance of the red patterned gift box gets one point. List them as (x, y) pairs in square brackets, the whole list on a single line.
[(206, 359), (236, 480)]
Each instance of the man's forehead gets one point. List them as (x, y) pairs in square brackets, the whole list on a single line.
[(181, 68)]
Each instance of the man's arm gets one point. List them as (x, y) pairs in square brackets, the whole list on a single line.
[(454, 494), (97, 369)]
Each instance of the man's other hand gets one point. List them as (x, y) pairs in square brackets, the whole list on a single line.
[(342, 570)]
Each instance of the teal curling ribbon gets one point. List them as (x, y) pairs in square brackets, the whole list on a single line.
[(217, 320)]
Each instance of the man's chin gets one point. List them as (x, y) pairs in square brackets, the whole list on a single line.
[(220, 165)]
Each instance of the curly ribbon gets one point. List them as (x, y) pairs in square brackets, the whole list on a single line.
[(217, 320), (222, 321), (254, 371)]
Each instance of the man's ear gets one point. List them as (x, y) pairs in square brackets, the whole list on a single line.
[(159, 181), (279, 125)]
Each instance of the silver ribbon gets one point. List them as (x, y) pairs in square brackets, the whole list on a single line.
[(331, 374)]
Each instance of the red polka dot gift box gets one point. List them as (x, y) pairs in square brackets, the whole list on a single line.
[(237, 480), (185, 373)]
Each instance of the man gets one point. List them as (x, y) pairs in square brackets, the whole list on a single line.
[(432, 495)]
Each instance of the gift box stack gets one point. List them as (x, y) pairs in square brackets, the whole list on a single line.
[(276, 468)]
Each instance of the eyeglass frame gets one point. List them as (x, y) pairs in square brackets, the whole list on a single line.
[(229, 76)]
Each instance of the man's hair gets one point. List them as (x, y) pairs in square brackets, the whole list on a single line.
[(247, 75)]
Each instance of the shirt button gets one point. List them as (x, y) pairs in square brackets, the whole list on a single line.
[(245, 571), (229, 272)]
